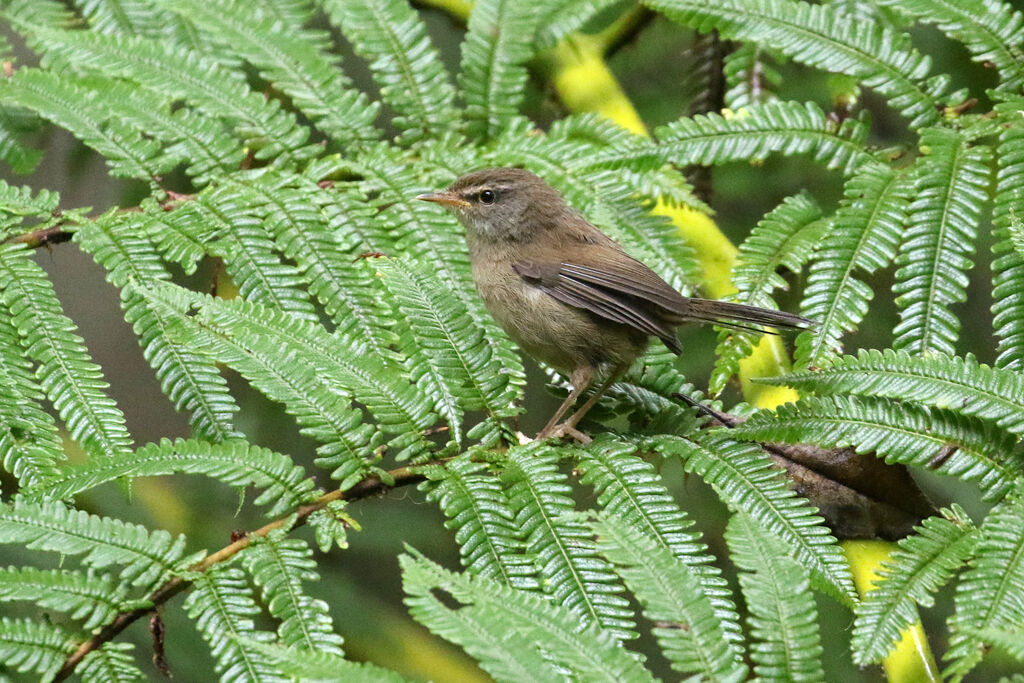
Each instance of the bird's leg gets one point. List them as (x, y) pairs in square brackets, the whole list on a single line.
[(581, 378), (574, 419)]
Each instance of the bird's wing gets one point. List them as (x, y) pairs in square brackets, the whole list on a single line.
[(620, 289)]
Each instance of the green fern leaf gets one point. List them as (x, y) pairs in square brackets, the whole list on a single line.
[(187, 378), (313, 228), (27, 645), (91, 598), (818, 36), (280, 566), (248, 252), (478, 509), (14, 122), (751, 134), (570, 569), (346, 442), (900, 432), (782, 615), (784, 238), (148, 557), (270, 131), (111, 663), (392, 38), (1009, 640), (991, 592), (222, 606), (629, 489), (451, 348), (746, 479), (204, 143), (686, 626), (1008, 265), (284, 484), (79, 111), (130, 17), (295, 60), (24, 201), (506, 628), (30, 447), (559, 18), (960, 384), (751, 77), (924, 563), (950, 186), (71, 380), (494, 55), (862, 238), (311, 665), (988, 28)]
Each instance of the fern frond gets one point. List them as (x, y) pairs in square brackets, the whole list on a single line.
[(30, 447), (818, 36), (346, 441), (92, 598), (458, 368), (950, 190), (570, 569), (129, 17), (746, 479), (280, 566), (33, 645), (629, 489), (784, 238), (148, 557), (313, 228), (751, 77), (266, 128), (504, 628), (25, 201), (959, 383), (478, 509), (862, 238), (65, 371), (1009, 640), (61, 101), (991, 592), (222, 606), (1008, 265), (924, 563), (204, 143), (782, 615), (312, 665), (190, 381), (750, 134), (293, 59), (559, 18), (248, 252), (111, 663), (494, 55), (989, 29), (14, 122), (686, 626), (284, 484), (901, 432), (392, 38)]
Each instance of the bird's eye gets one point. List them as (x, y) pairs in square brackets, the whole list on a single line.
[(487, 197)]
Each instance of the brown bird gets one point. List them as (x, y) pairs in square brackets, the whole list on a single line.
[(567, 293)]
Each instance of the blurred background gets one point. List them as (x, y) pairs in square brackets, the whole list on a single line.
[(659, 72)]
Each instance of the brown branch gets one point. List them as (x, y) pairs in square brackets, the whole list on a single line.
[(403, 476)]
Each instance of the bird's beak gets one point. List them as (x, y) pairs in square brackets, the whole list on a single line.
[(446, 198)]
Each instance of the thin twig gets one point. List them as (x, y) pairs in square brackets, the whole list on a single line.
[(403, 476)]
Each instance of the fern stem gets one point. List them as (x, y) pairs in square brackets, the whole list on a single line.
[(911, 661), (402, 476)]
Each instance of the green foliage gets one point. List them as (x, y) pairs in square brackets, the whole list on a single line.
[(273, 150)]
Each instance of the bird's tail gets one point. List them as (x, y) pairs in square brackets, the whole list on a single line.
[(744, 317)]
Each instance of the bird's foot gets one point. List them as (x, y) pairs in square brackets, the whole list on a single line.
[(563, 430)]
